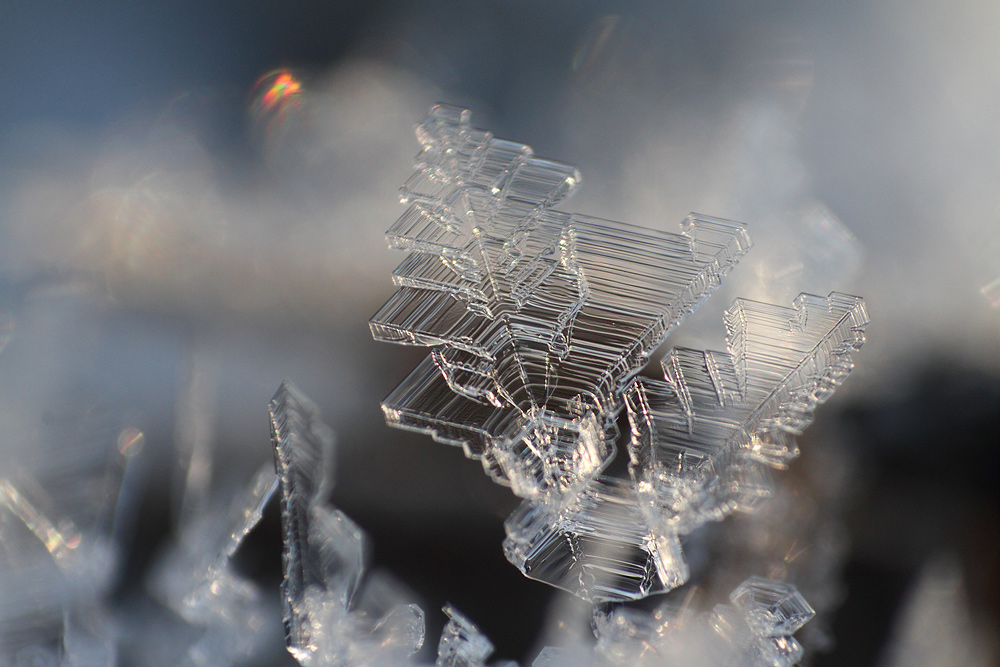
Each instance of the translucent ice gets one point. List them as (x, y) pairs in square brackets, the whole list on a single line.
[(536, 317), (700, 438), (197, 581), (754, 630), (330, 618), (462, 644), (597, 546), (538, 322), (58, 557)]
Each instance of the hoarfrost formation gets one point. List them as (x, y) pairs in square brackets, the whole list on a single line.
[(538, 323), (338, 614)]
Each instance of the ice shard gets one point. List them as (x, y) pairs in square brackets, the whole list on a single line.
[(462, 644), (329, 616), (536, 318), (196, 578), (58, 517)]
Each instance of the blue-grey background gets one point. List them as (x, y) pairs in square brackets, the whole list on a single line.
[(166, 241)]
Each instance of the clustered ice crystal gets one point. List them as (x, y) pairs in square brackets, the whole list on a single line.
[(539, 322), (336, 613)]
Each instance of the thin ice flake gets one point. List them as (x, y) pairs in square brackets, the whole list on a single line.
[(329, 616)]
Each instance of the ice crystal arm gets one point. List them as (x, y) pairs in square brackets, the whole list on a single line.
[(525, 307), (597, 547), (323, 550), (699, 438)]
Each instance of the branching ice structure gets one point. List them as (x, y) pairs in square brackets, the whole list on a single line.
[(538, 323), (337, 614), (536, 318)]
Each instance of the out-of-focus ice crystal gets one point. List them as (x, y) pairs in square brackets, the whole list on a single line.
[(197, 581), (58, 556), (538, 323), (754, 630), (330, 618), (462, 644)]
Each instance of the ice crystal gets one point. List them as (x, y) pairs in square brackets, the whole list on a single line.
[(754, 629), (338, 614), (328, 620), (197, 581), (535, 317), (57, 553), (462, 644), (538, 322)]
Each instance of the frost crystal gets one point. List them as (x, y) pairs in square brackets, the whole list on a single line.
[(197, 581), (462, 644), (753, 630), (538, 322), (58, 557), (329, 617), (337, 614), (535, 317)]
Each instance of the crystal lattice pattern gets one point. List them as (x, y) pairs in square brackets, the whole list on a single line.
[(538, 323)]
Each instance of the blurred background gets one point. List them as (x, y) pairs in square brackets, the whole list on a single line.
[(193, 198)]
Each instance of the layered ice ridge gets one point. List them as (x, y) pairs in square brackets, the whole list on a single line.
[(536, 318), (703, 438), (539, 322), (700, 443)]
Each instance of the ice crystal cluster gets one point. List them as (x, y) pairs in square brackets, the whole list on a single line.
[(337, 613), (539, 322)]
